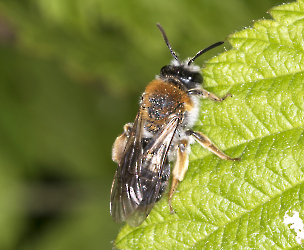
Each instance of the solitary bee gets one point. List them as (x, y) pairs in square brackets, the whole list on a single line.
[(161, 133)]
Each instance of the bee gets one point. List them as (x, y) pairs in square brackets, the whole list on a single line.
[(160, 134)]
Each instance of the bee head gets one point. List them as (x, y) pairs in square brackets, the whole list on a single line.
[(183, 73)]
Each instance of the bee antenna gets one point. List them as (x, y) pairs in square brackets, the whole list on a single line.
[(203, 51), (167, 42)]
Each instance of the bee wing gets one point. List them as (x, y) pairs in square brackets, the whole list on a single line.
[(126, 192), (138, 177), (152, 161)]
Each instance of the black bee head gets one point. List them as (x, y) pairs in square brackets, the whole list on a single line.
[(182, 74)]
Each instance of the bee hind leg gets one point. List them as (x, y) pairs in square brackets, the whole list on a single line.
[(120, 143), (181, 164), (180, 168), (204, 141)]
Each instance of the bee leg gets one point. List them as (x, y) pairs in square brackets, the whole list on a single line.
[(206, 94), (180, 168), (120, 143), (206, 143)]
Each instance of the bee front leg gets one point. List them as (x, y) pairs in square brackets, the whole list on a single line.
[(206, 143), (180, 168), (206, 94), (120, 143)]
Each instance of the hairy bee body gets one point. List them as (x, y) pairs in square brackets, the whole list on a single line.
[(164, 98), (161, 133)]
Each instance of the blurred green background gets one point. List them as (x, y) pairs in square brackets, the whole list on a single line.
[(71, 75)]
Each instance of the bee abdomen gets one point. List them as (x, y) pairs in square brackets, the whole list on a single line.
[(148, 182)]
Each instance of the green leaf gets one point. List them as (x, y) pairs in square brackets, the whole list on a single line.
[(234, 205)]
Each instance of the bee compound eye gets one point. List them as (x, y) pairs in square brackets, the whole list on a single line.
[(197, 77), (166, 70)]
